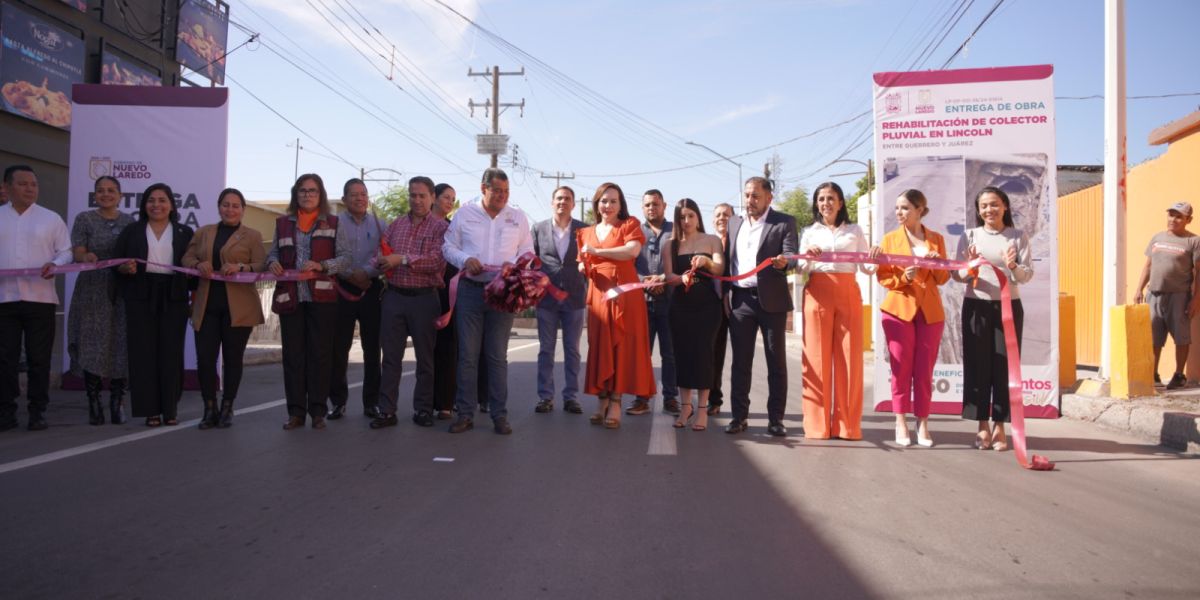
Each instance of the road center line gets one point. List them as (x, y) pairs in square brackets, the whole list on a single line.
[(662, 433), (58, 455)]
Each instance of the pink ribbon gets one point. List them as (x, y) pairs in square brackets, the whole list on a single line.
[(535, 282), (1015, 393), (288, 275)]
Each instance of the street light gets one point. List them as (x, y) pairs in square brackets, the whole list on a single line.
[(739, 165)]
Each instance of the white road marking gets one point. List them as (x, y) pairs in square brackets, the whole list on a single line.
[(662, 433), (58, 455)]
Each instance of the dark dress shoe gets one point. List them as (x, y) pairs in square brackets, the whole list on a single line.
[(501, 426), (777, 429), (735, 426), (483, 407), (461, 425), (36, 422), (443, 415), (544, 406), (671, 406), (714, 409), (338, 411), (318, 422), (573, 407), (423, 418), (384, 420), (372, 412), (293, 423)]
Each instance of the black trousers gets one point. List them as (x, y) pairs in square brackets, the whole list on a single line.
[(218, 335), (985, 359), (308, 356), (156, 332), (745, 322), (715, 396), (33, 323), (365, 313)]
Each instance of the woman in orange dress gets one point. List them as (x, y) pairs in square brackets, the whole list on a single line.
[(618, 359)]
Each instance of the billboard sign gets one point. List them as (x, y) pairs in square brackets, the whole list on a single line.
[(38, 64), (202, 39)]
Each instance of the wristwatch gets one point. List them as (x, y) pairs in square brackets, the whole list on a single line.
[(404, 259)]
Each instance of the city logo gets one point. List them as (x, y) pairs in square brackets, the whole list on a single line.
[(99, 167), (131, 169), (893, 103), (924, 102)]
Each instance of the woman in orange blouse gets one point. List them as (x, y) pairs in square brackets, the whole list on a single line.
[(618, 360), (912, 315)]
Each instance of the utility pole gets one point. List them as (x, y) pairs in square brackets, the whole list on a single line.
[(494, 105), (1113, 276), (558, 176), (296, 168)]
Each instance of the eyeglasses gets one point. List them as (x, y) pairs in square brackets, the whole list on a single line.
[(309, 192)]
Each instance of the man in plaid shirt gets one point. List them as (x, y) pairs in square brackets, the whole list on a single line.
[(410, 304)]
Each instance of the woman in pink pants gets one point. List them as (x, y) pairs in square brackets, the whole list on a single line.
[(912, 315)]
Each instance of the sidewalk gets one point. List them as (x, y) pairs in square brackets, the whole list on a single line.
[(1172, 418)]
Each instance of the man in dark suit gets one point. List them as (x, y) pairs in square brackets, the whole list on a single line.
[(554, 243), (759, 302)]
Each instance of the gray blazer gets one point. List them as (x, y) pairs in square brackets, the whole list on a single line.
[(778, 237), (564, 273)]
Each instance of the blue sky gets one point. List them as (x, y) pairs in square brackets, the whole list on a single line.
[(617, 87)]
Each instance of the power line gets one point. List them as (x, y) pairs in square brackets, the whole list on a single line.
[(362, 108), (290, 122), (355, 47), (973, 32)]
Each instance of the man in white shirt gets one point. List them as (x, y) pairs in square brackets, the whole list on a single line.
[(482, 237), (760, 302), (30, 237)]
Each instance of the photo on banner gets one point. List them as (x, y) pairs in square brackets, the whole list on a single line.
[(39, 61), (202, 38), (144, 135), (950, 134)]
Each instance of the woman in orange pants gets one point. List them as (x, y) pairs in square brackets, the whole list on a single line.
[(833, 336)]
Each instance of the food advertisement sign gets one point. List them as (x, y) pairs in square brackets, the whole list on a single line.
[(118, 70), (202, 39), (38, 64)]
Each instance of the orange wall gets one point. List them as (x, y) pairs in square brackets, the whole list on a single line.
[(1080, 248), (1151, 187)]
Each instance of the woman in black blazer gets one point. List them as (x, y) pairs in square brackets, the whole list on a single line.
[(156, 305)]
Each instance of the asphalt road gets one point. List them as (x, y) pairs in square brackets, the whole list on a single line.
[(562, 509)]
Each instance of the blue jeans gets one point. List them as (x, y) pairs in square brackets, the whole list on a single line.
[(660, 327), (549, 320), (481, 327)]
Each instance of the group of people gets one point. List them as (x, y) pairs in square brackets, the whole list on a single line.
[(701, 294)]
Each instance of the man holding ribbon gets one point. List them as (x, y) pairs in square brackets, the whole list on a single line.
[(358, 303), (657, 230), (30, 236), (555, 245), (483, 236), (759, 300), (411, 306)]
